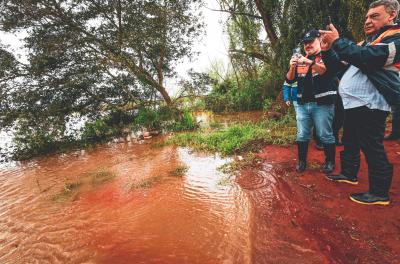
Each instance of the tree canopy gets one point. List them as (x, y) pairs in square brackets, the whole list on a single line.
[(85, 56)]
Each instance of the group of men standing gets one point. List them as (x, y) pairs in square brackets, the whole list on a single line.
[(369, 88)]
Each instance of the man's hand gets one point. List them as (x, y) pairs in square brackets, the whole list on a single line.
[(293, 61), (288, 103), (328, 37), (304, 61)]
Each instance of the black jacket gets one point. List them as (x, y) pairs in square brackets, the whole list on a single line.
[(324, 87), (379, 62)]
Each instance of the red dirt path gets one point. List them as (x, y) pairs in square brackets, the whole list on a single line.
[(315, 216)]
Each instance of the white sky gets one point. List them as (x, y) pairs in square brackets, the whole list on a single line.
[(213, 46)]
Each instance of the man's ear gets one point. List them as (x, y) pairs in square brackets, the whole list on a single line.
[(393, 16)]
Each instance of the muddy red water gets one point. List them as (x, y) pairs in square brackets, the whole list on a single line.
[(128, 203)]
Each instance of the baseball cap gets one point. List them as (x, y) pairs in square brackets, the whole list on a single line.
[(311, 35)]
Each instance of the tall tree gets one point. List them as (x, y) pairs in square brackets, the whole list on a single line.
[(85, 55)]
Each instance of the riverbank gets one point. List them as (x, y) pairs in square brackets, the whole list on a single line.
[(315, 215)]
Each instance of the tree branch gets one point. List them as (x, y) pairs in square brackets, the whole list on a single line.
[(236, 13)]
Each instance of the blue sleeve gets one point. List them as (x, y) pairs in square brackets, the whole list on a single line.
[(286, 93)]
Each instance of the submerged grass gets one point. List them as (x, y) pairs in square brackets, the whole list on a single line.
[(68, 192), (146, 183), (100, 176), (180, 171), (239, 137), (71, 188)]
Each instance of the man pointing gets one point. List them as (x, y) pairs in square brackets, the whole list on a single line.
[(369, 86)]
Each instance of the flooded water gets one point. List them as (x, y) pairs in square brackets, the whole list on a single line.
[(52, 211), (140, 203)]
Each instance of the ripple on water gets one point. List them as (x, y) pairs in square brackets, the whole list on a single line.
[(174, 219)]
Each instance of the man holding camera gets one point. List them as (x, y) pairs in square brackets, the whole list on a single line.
[(316, 95), (369, 86)]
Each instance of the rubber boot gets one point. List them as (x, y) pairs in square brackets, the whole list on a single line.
[(302, 150), (330, 153), (350, 164)]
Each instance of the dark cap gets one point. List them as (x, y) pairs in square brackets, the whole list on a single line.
[(311, 35)]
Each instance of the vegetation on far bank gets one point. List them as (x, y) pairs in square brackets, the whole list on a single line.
[(31, 143), (239, 137)]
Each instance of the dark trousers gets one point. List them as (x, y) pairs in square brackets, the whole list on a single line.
[(339, 117), (364, 129)]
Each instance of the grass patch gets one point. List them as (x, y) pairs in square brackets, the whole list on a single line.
[(68, 193), (180, 171), (100, 176), (146, 183), (71, 188), (230, 169), (239, 137), (225, 180)]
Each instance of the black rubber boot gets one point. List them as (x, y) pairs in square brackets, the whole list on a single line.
[(302, 150), (350, 164), (330, 153), (319, 145)]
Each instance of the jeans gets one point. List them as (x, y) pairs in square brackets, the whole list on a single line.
[(321, 116)]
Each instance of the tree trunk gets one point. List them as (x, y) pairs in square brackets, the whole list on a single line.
[(165, 95), (267, 22)]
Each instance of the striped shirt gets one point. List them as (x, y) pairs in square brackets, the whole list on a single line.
[(357, 90)]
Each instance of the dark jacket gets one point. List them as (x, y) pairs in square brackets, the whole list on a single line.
[(324, 87), (380, 62)]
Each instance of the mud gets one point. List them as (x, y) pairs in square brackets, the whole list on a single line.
[(308, 217)]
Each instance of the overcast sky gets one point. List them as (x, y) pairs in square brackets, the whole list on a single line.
[(212, 47)]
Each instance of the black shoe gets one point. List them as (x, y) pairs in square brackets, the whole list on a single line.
[(319, 146), (369, 199), (392, 137), (342, 178), (328, 167), (301, 166)]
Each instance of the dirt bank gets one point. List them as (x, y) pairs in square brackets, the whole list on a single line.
[(306, 215)]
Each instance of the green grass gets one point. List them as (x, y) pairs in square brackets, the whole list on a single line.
[(239, 137), (146, 183), (180, 171)]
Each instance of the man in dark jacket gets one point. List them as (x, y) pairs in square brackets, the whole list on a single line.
[(369, 86), (316, 95)]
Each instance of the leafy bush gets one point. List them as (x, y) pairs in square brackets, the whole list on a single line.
[(185, 123), (148, 118), (96, 131), (229, 97)]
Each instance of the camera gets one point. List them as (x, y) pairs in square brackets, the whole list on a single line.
[(328, 21), (296, 52)]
